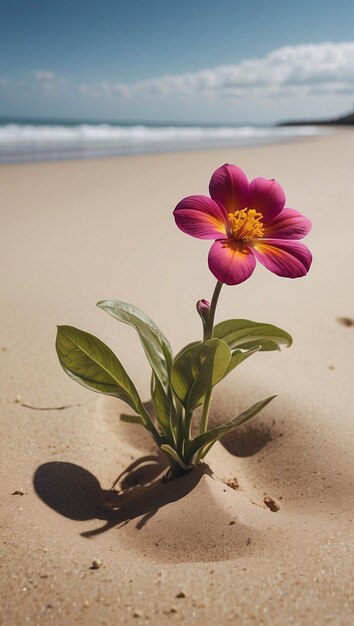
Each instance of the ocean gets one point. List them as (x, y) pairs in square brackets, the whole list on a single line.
[(25, 140)]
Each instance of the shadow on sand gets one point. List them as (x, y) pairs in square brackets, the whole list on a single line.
[(75, 493)]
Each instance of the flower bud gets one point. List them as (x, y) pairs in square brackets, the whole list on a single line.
[(203, 308)]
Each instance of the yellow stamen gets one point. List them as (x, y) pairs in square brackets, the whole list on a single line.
[(246, 224)]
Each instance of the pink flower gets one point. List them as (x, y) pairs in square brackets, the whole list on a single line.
[(248, 222)]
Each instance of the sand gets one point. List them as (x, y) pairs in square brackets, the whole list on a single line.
[(263, 534)]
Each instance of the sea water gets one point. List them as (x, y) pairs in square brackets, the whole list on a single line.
[(42, 140)]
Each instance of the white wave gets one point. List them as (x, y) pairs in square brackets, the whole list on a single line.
[(88, 134)]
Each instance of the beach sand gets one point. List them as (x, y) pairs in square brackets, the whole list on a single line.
[(263, 534)]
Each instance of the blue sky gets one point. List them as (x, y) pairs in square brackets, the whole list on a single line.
[(224, 61)]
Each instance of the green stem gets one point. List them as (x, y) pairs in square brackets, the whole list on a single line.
[(150, 426), (208, 334), (205, 414), (185, 432), (176, 471)]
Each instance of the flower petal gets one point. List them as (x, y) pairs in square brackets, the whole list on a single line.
[(267, 197), (290, 259), (289, 224), (229, 187), (231, 264), (201, 217)]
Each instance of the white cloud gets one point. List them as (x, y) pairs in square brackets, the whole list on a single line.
[(307, 69), (44, 75), (107, 89), (293, 81)]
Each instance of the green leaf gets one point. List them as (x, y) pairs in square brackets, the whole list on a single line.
[(238, 356), (212, 435), (174, 455), (246, 335), (155, 344), (197, 369), (187, 347), (164, 409), (131, 419), (88, 361)]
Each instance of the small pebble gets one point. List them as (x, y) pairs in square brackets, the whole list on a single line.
[(18, 492), (345, 321), (233, 483), (271, 504), (86, 604), (18, 398), (137, 613), (232, 522), (96, 563), (181, 594)]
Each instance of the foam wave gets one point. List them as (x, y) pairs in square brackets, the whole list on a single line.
[(23, 134)]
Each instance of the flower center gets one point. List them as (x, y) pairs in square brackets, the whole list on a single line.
[(245, 224)]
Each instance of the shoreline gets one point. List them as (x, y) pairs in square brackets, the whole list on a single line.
[(172, 152), (89, 149)]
